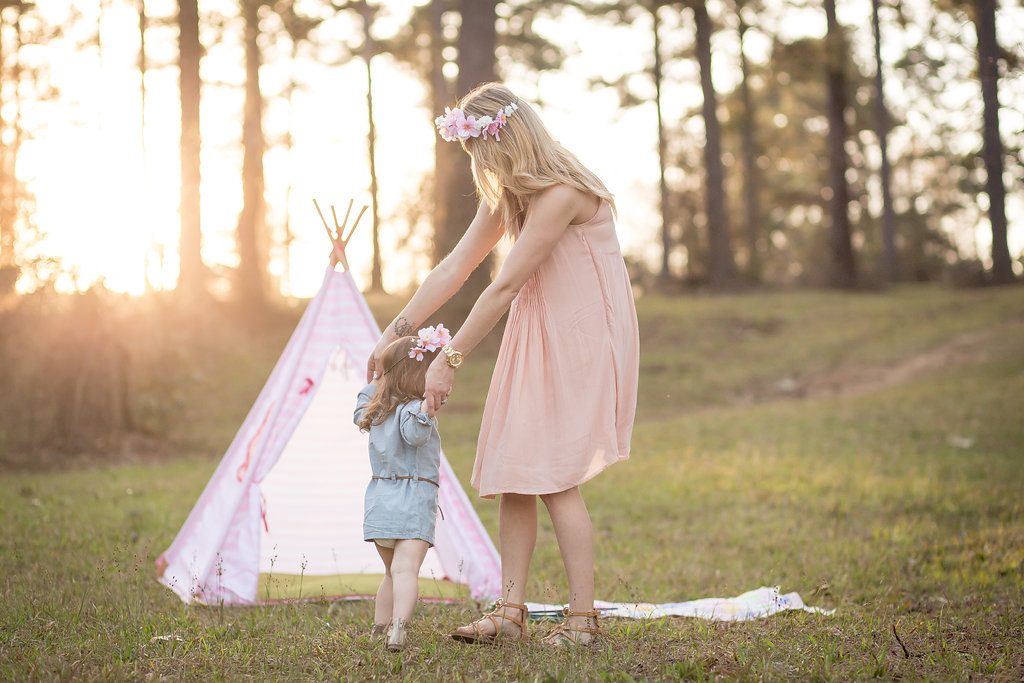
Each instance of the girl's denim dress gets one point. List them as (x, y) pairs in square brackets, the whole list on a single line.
[(405, 451)]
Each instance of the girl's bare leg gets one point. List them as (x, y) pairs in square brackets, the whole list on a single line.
[(576, 544), (405, 570), (382, 606), (517, 536)]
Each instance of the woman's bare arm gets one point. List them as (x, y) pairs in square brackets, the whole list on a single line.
[(549, 216), (444, 279)]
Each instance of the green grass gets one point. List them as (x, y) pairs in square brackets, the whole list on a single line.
[(901, 507), (292, 587)]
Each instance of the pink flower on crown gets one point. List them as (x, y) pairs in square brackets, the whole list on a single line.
[(448, 123), (426, 339), (466, 126), (499, 122), (416, 352), (443, 336)]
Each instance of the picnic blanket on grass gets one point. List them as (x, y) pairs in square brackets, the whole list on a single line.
[(756, 604)]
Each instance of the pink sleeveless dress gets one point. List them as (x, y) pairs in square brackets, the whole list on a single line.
[(562, 398)]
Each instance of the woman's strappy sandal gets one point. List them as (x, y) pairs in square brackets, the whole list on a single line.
[(567, 634), (498, 621), (379, 630)]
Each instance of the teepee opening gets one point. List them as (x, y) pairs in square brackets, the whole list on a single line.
[(312, 496)]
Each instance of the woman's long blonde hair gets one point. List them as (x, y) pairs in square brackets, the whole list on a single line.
[(527, 159)]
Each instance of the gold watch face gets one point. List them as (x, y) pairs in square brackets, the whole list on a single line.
[(455, 359)]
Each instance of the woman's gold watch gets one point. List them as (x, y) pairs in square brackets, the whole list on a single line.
[(454, 357)]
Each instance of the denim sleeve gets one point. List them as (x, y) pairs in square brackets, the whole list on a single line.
[(415, 424), (362, 400)]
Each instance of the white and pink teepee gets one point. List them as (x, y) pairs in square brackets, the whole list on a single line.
[(287, 497)]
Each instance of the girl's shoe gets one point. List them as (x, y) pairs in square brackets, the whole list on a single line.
[(379, 630), (396, 636), (567, 634), (499, 617)]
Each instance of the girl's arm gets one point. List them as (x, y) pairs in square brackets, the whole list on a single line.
[(415, 425), (549, 216), (443, 281)]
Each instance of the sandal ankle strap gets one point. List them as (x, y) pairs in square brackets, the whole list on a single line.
[(502, 602), (590, 614), (494, 616), (518, 619)]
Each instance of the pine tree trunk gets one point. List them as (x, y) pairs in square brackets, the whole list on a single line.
[(143, 152), (665, 274), (250, 276), (10, 187), (190, 278), (988, 71), (376, 276), (289, 236), (890, 264), (750, 180), (6, 193), (440, 96), (476, 47), (843, 272), (722, 267)]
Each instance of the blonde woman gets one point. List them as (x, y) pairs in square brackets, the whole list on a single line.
[(562, 398)]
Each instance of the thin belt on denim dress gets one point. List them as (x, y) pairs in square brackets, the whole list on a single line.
[(395, 476)]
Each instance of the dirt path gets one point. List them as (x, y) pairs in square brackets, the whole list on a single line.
[(964, 348)]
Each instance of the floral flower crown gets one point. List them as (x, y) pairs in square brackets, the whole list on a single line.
[(428, 339), (455, 125)]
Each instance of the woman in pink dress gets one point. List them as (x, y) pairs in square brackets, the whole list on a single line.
[(562, 398)]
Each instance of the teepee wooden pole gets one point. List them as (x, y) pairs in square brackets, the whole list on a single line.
[(338, 239), (348, 212), (337, 250), (353, 229), (330, 235), (334, 215)]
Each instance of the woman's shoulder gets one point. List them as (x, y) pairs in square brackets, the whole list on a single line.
[(560, 193), (562, 198)]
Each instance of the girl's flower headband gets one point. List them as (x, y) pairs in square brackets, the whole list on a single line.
[(428, 339), (455, 125)]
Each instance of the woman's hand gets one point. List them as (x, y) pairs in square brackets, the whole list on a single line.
[(373, 368), (440, 377)]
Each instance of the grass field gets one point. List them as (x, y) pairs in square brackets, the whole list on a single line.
[(864, 450)]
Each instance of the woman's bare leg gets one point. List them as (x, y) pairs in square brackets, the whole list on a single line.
[(575, 538), (405, 576), (517, 537), (382, 604)]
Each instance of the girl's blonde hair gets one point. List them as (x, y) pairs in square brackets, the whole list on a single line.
[(403, 379), (527, 159)]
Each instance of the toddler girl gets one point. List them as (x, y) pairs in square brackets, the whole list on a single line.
[(405, 456)]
